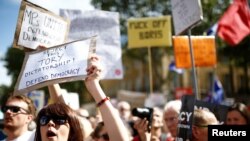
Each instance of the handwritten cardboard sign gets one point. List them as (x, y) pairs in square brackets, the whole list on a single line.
[(106, 25), (185, 14), (37, 26), (203, 48), (149, 32), (62, 63)]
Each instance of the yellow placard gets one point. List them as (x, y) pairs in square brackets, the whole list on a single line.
[(149, 32), (204, 51)]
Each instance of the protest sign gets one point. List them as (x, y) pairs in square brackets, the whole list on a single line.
[(149, 32), (189, 103), (106, 25), (185, 14), (203, 47), (37, 26), (185, 118), (62, 63)]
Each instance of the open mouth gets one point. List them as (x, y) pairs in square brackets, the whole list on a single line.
[(50, 134)]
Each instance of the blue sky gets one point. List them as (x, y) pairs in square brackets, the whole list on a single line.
[(8, 14)]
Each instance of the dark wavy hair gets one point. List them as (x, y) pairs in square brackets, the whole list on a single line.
[(61, 109), (242, 109)]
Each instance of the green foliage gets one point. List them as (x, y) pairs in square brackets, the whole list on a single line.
[(212, 10), (13, 62)]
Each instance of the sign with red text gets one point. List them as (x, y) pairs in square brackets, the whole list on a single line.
[(149, 32), (63, 63), (39, 27)]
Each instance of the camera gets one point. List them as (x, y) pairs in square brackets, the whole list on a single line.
[(142, 113)]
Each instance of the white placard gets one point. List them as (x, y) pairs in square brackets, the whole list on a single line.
[(36, 26), (63, 63), (106, 25), (185, 14)]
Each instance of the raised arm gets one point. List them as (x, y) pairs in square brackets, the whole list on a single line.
[(112, 121), (56, 93)]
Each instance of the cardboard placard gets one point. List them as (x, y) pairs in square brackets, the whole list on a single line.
[(149, 32), (203, 48), (39, 27), (62, 63), (185, 14), (106, 25)]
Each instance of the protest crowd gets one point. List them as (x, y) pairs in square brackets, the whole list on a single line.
[(54, 60)]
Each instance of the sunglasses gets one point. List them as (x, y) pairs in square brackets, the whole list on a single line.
[(44, 120), (13, 109), (104, 136)]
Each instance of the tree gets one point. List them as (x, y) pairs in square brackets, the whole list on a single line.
[(212, 10)]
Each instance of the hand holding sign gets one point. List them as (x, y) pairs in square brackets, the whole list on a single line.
[(94, 69), (66, 62)]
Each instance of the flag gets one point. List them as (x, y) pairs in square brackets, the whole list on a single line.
[(212, 30), (234, 25), (218, 92), (172, 67)]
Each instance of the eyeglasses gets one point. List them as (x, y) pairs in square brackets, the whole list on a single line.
[(13, 109), (104, 136), (44, 120)]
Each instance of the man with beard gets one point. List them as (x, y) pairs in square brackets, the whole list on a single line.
[(19, 111)]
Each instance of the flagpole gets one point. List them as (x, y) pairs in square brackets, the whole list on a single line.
[(193, 66)]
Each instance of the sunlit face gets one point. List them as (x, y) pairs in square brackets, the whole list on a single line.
[(200, 133), (171, 121), (235, 118), (17, 118), (55, 132), (124, 112), (157, 119)]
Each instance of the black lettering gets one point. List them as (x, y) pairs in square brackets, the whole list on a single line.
[(32, 17)]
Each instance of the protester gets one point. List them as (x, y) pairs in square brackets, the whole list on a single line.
[(238, 114), (171, 113), (19, 114), (156, 132), (115, 127), (51, 127), (19, 111), (59, 122), (201, 119), (124, 110)]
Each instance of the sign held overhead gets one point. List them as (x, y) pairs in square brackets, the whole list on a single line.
[(186, 13), (62, 63), (38, 27)]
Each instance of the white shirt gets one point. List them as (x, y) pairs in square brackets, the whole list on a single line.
[(27, 136)]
